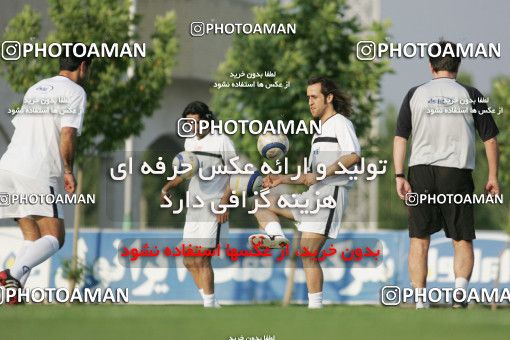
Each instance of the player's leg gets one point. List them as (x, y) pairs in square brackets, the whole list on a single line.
[(29, 229), (316, 228), (8, 185), (417, 261), (313, 270), (202, 231), (11, 182), (212, 234), (31, 233), (190, 236), (459, 223), (207, 281), (52, 238), (463, 262), (206, 274), (203, 275), (192, 267), (418, 265), (269, 222), (267, 215), (424, 220), (464, 259)]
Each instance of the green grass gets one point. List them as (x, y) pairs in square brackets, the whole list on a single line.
[(76, 322)]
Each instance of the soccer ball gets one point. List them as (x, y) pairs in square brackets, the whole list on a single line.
[(186, 157), (273, 146), (246, 183)]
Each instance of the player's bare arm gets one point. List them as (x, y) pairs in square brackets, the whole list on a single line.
[(346, 160), (492, 153), (222, 218), (399, 155), (170, 185), (67, 150)]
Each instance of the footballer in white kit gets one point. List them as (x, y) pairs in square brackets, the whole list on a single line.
[(203, 228), (38, 160), (337, 139), (336, 143)]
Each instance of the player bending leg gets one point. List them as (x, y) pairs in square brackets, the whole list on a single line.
[(32, 164), (336, 143)]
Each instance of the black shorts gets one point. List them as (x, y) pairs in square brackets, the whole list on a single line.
[(426, 218)]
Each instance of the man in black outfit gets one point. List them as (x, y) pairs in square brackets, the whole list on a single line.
[(442, 116)]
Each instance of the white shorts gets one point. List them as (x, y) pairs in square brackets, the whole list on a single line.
[(325, 221), (201, 228), (22, 196)]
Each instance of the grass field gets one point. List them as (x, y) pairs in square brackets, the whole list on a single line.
[(42, 322)]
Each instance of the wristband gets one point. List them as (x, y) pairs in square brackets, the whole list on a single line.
[(400, 175)]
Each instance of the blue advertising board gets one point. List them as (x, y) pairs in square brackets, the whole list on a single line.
[(260, 279)]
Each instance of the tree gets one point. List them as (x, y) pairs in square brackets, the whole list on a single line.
[(324, 44), (116, 103), (500, 98), (392, 212)]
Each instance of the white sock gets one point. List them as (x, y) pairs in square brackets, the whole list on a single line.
[(461, 282), (37, 253), (273, 229), (420, 303), (209, 300), (201, 291), (315, 300), (21, 251)]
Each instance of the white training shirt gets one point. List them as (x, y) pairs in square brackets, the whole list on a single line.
[(442, 117), (337, 138), (48, 106), (211, 150)]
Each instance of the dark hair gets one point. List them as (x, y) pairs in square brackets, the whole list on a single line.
[(444, 62), (71, 62), (199, 108), (341, 101)]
